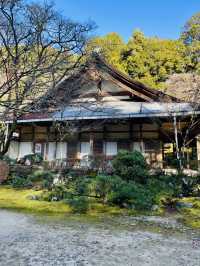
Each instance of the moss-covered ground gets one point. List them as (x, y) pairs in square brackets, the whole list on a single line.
[(20, 199), (191, 216)]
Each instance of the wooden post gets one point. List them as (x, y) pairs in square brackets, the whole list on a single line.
[(104, 141), (56, 143), (178, 156), (141, 139), (47, 143), (198, 151), (33, 138), (159, 155), (91, 143), (6, 134), (78, 150)]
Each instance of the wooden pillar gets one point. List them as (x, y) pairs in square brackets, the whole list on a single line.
[(131, 135), (104, 140), (78, 150), (141, 139), (91, 143), (33, 138), (56, 144), (198, 151), (47, 144), (159, 156)]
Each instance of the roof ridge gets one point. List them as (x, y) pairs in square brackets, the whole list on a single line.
[(124, 77)]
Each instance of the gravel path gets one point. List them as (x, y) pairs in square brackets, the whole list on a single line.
[(38, 241)]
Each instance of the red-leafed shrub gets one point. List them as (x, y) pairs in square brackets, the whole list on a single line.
[(4, 171)]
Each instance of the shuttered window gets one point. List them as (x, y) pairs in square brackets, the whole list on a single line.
[(110, 148), (85, 149), (51, 151), (25, 148), (138, 146), (61, 151)]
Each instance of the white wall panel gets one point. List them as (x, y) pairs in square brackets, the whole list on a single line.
[(25, 148), (138, 146), (61, 151), (51, 151), (13, 151), (110, 148)]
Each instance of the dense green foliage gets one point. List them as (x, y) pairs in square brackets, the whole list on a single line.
[(32, 159), (111, 45), (79, 204), (21, 182), (129, 186), (131, 166), (152, 60), (43, 179)]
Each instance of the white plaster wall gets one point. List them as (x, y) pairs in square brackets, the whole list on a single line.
[(61, 151), (13, 151), (51, 151), (25, 148), (85, 149), (138, 146), (110, 148)]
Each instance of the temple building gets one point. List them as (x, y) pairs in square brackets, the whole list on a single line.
[(107, 112)]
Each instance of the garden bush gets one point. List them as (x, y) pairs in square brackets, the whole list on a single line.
[(131, 166), (8, 160), (21, 182), (80, 185), (161, 190), (58, 192), (45, 177), (103, 185), (32, 159), (79, 204), (132, 195)]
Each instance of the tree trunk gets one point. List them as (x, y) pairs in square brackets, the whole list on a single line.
[(5, 143), (178, 155)]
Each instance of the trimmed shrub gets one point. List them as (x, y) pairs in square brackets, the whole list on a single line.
[(131, 166), (79, 204), (104, 184), (45, 177), (4, 171), (8, 160), (115, 190), (32, 159), (81, 186), (132, 195), (59, 192), (161, 190), (21, 182)]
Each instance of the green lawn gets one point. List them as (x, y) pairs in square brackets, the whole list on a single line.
[(191, 216), (17, 199)]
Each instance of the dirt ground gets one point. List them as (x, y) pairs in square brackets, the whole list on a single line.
[(31, 240)]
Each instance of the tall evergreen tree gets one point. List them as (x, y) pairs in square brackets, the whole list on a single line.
[(191, 38), (111, 47), (152, 60)]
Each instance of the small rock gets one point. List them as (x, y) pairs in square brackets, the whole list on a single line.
[(125, 205), (132, 207), (27, 162), (155, 208), (33, 197), (54, 199), (184, 204)]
